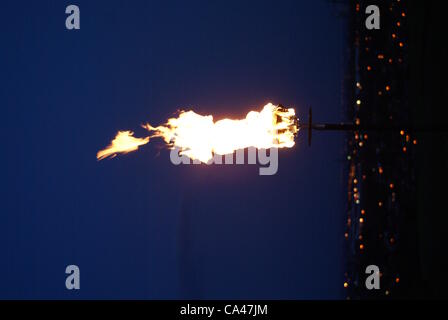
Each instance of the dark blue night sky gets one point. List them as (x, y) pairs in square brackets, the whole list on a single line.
[(136, 225)]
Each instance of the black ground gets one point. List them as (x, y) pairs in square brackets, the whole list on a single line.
[(428, 54)]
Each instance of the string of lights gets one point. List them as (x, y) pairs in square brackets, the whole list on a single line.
[(379, 164)]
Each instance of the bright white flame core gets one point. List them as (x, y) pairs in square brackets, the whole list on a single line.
[(199, 137)]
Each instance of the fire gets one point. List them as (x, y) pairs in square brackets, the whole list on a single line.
[(124, 142), (199, 137)]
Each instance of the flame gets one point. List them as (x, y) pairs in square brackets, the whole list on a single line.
[(199, 137), (124, 142)]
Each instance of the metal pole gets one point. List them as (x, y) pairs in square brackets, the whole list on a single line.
[(420, 128), (433, 128)]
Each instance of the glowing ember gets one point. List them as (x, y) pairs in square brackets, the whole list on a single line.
[(199, 137)]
